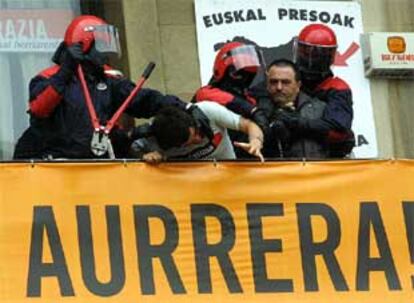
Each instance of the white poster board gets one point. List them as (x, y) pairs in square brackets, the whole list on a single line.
[(272, 25)]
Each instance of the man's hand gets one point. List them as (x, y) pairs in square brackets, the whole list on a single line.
[(255, 138), (254, 147), (73, 55), (154, 157), (76, 52), (291, 119)]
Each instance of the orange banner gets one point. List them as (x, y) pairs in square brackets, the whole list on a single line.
[(198, 232)]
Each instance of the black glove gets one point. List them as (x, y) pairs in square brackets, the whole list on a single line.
[(201, 121), (259, 117), (279, 131), (291, 119), (71, 58)]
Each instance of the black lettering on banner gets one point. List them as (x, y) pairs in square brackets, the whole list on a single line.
[(303, 14), (348, 21), (250, 15), (293, 14), (204, 251), (313, 16), (218, 19), (228, 17), (282, 13), (260, 14), (337, 19), (310, 249), (87, 255), (408, 208), (370, 215), (238, 16), (207, 21), (163, 251), (44, 220), (325, 17), (362, 140), (260, 247)]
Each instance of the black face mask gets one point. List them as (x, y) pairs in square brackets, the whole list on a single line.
[(96, 58), (243, 78), (236, 82), (311, 79)]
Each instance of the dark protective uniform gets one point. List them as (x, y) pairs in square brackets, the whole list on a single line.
[(337, 118), (60, 124)]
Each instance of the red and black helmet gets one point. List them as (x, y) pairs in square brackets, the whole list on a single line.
[(90, 30), (315, 48), (237, 56)]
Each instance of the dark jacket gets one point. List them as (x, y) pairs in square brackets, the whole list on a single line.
[(239, 103), (338, 115), (294, 143), (60, 125), (309, 145), (334, 125)]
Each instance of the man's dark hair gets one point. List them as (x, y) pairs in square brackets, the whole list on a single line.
[(171, 127), (285, 63)]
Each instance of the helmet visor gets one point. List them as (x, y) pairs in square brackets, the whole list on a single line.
[(106, 39), (245, 58), (315, 58)]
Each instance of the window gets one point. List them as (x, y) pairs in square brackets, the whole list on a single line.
[(30, 31), (29, 34)]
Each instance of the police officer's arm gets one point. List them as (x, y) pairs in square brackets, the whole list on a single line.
[(337, 117), (244, 106), (336, 121), (44, 97), (46, 89), (338, 112), (146, 103)]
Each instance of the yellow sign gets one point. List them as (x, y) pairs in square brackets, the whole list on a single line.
[(197, 232)]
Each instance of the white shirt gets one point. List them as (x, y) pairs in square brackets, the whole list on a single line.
[(220, 147)]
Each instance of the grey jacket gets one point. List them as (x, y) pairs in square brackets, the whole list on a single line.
[(300, 143), (310, 143)]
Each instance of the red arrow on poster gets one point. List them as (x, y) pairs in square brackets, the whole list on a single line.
[(340, 59)]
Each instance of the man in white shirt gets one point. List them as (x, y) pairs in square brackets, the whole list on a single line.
[(176, 136)]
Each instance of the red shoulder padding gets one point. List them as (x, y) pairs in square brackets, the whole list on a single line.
[(336, 136), (209, 93), (334, 83), (45, 102), (49, 72), (251, 99)]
